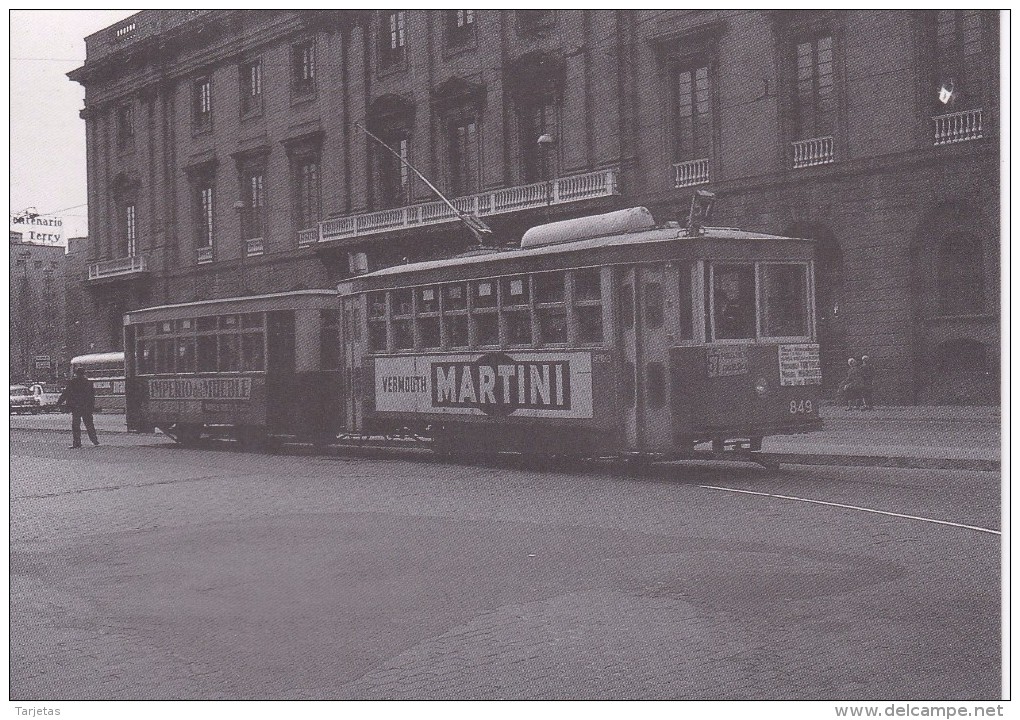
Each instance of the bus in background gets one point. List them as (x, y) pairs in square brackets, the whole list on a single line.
[(106, 371)]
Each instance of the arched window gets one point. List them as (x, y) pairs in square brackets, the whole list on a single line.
[(960, 273), (391, 118)]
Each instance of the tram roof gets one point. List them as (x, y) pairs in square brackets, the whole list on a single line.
[(265, 298), (656, 235)]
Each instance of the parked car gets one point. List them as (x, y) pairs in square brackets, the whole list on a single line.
[(47, 395), (23, 400)]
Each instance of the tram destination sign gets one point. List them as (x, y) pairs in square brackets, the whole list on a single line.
[(524, 384), (800, 365), (200, 389)]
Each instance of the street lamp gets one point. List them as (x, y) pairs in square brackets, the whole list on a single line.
[(545, 147)]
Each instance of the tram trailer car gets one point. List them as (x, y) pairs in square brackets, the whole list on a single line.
[(257, 368), (600, 336)]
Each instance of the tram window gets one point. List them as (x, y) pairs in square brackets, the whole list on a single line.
[(587, 286), (166, 327), (377, 305), (205, 323), (518, 328), (653, 305), (627, 306), (627, 384), (485, 294), (456, 297), (589, 323), (457, 330), (515, 291), (252, 320), (428, 300), (185, 325), (230, 353), (145, 357), (552, 325), (733, 295), (207, 353), (685, 309), (164, 356), (377, 336), (403, 334), (252, 352), (784, 300), (655, 387), (185, 355), (428, 328), (550, 288), (329, 342), (402, 301), (486, 329), (229, 322), (140, 329)]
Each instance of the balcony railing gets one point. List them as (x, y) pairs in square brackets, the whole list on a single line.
[(308, 237), (119, 267), (204, 254), (815, 151), (253, 247), (958, 127), (691, 172), (602, 183)]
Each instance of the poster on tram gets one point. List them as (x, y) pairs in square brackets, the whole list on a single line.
[(519, 384)]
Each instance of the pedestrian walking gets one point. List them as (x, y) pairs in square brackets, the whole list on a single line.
[(867, 380), (80, 398), (849, 389)]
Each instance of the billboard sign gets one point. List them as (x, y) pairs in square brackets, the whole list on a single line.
[(38, 229), (518, 384)]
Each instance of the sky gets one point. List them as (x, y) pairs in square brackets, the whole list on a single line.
[(47, 137)]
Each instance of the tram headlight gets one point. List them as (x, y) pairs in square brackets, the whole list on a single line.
[(762, 387)]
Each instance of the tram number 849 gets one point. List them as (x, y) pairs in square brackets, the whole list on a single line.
[(801, 407)]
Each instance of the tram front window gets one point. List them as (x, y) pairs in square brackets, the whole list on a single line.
[(733, 301), (785, 300)]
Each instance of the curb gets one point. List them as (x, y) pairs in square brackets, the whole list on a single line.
[(786, 458), (878, 461)]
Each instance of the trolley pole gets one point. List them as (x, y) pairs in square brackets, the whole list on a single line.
[(483, 233)]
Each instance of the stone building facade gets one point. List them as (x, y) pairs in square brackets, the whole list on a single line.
[(38, 333), (226, 154)]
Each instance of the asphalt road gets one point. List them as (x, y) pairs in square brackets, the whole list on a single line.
[(144, 571)]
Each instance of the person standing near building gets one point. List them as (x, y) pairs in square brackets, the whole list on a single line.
[(80, 398), (866, 374), (850, 388)]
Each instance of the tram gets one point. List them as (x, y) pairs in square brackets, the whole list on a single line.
[(606, 335), (254, 368), (106, 371)]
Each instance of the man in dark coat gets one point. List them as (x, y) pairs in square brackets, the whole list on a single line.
[(80, 398), (867, 380)]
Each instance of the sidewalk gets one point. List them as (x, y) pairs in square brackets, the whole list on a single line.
[(935, 437)]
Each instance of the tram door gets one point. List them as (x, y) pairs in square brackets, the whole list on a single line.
[(350, 335), (655, 310), (646, 333)]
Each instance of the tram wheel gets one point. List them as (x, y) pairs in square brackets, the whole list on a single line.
[(187, 435), (253, 439)]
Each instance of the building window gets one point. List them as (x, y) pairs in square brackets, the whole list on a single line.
[(460, 27), (958, 60), (202, 103), (303, 68), (130, 237), (251, 87), (253, 215), (692, 112), (307, 192), (814, 99), (392, 38), (463, 156), (530, 22), (204, 195), (538, 120), (394, 175), (125, 126), (961, 285)]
